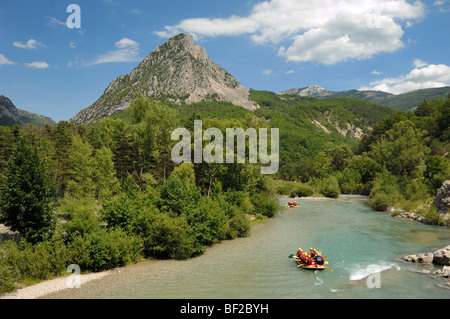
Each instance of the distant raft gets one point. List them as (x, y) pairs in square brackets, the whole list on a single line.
[(292, 204)]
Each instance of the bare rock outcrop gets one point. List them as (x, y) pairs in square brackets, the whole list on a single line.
[(440, 257), (442, 201)]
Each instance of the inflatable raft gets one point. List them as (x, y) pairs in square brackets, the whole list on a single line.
[(313, 266)]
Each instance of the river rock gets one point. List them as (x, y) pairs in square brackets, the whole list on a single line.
[(442, 200), (446, 272), (442, 256), (426, 258)]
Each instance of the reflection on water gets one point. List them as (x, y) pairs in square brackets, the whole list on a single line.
[(362, 247)]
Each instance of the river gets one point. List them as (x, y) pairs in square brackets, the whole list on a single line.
[(362, 247)]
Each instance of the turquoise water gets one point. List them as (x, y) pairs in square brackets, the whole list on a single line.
[(362, 247)]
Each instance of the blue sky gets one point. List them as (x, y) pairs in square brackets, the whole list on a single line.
[(390, 45)]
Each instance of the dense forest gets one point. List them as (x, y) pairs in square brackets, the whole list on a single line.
[(107, 195)]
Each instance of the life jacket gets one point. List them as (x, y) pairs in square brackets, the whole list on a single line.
[(303, 258)]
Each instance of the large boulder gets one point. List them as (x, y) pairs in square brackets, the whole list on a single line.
[(442, 256), (442, 200), (426, 258)]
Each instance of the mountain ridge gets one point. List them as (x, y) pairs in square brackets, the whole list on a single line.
[(10, 115), (404, 102)]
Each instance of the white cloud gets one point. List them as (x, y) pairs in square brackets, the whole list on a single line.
[(55, 22), (327, 31), (419, 63), (38, 65), (442, 5), (31, 44), (290, 72), (267, 72), (422, 77), (73, 44), (136, 11), (375, 72), (5, 61), (127, 51)]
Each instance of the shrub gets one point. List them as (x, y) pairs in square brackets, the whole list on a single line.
[(35, 262), (330, 187), (81, 216), (381, 201), (207, 221), (303, 190), (265, 205), (385, 192), (239, 226), (8, 278), (105, 249), (119, 212), (432, 216), (282, 188), (170, 237)]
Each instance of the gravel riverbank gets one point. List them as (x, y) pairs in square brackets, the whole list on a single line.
[(50, 286)]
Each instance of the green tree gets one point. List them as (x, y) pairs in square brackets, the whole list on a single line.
[(402, 151), (104, 174), (81, 169), (437, 171), (179, 192), (26, 200), (62, 139)]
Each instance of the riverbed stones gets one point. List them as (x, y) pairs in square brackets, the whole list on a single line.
[(442, 201), (442, 256), (446, 272)]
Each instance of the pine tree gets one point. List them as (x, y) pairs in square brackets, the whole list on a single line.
[(26, 200)]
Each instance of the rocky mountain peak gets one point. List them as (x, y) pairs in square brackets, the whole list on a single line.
[(178, 69), (315, 91)]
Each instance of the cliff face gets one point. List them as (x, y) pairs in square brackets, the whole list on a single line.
[(8, 112), (178, 69)]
